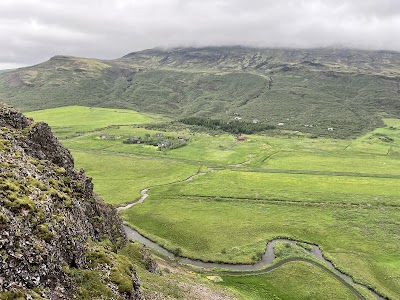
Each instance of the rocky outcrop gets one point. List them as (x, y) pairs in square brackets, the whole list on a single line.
[(58, 240)]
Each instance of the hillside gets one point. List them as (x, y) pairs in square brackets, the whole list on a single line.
[(58, 240), (302, 90)]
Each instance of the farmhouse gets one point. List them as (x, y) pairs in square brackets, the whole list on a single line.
[(241, 138), (330, 128), (163, 144), (134, 140), (182, 138)]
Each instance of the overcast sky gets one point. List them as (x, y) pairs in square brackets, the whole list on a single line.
[(31, 31)]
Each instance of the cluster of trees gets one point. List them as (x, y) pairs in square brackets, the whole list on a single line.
[(235, 127), (161, 141)]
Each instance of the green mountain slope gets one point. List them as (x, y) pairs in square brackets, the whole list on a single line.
[(305, 90)]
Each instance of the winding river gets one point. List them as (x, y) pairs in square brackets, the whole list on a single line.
[(266, 264)]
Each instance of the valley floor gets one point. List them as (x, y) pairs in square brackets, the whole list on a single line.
[(341, 195)]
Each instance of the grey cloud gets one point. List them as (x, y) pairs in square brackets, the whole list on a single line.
[(34, 30)]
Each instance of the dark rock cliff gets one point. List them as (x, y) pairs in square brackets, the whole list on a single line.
[(58, 240)]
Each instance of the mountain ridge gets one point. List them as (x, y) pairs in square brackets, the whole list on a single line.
[(348, 90)]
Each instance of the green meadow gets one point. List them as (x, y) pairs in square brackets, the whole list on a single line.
[(343, 161), (202, 148), (261, 186), (363, 241), (119, 179), (73, 120), (296, 280), (341, 194)]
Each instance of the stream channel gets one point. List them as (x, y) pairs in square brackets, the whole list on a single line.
[(263, 266)]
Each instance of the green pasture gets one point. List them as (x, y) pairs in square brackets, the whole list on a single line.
[(217, 150), (363, 242), (333, 162), (295, 280), (288, 187), (214, 150), (372, 142), (119, 179), (72, 120), (340, 194)]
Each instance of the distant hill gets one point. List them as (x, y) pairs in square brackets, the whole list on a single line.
[(307, 90)]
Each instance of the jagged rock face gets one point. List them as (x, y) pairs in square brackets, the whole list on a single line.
[(50, 219)]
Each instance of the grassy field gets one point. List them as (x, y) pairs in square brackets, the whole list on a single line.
[(342, 161), (72, 120), (340, 194), (214, 150), (296, 280), (118, 179), (360, 240), (288, 187)]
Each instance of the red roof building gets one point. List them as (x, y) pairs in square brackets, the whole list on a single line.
[(241, 138)]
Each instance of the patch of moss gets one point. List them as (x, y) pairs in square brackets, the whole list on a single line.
[(36, 183), (97, 219), (28, 129), (12, 295), (60, 171), (68, 203), (12, 196), (121, 274), (44, 232), (34, 160), (25, 202), (66, 190), (3, 218), (53, 182), (65, 179), (61, 196), (19, 295), (134, 252), (39, 214), (96, 256), (11, 185), (5, 164), (5, 145), (91, 286), (5, 130), (60, 218), (4, 255), (13, 199), (121, 269)]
